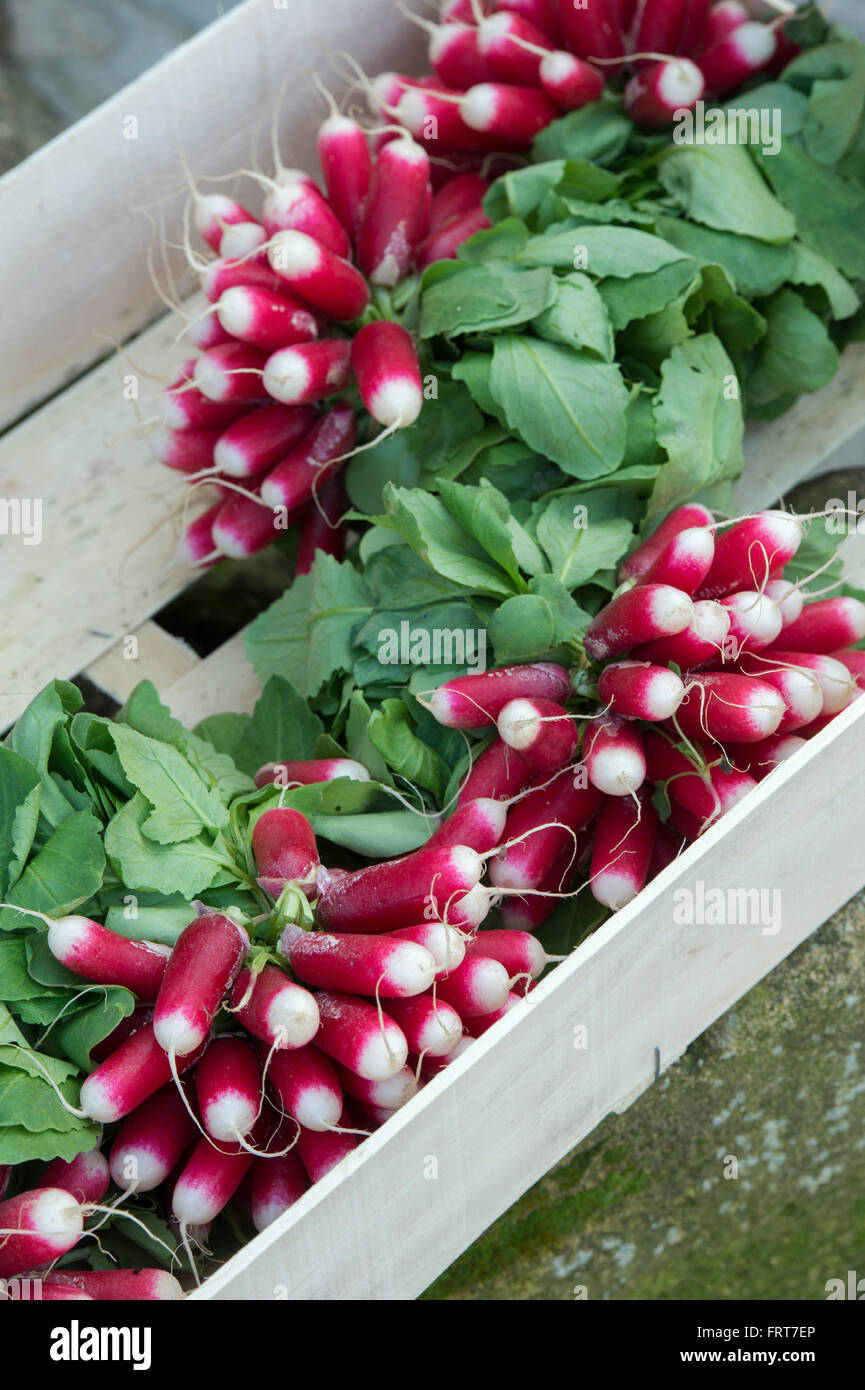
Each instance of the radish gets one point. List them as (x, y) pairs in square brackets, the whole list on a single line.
[(481, 1023), (140, 1015), (204, 964), (638, 615), (385, 364), (285, 851), (347, 167), (398, 892), (241, 241), (639, 690), (855, 663), (788, 597), (455, 54), (228, 1086), (137, 1069), (666, 849), (657, 27), (358, 964), (521, 954), (722, 19), (242, 527), (530, 912), (324, 281), (197, 546), (570, 81), (272, 1007), (726, 706), (430, 1026), (277, 1183), (817, 726), (223, 275), (547, 818), (5, 1175), (826, 625), (321, 527), (694, 29), (613, 756), (513, 48), (705, 794), (308, 371), (684, 562), (306, 1087), (310, 771), (541, 731), (835, 680), (395, 217), (230, 373), (208, 1182), (507, 113), (747, 553), (213, 213), (149, 1143), (759, 759), (470, 702), (265, 320), (702, 641), (444, 943), (464, 11), (184, 407), (591, 30), (499, 773), (352, 1032), (466, 913), (187, 451), (479, 824), (105, 958), (460, 195), (542, 13), (729, 63), (655, 96), (800, 690), (391, 1094), (639, 560), (319, 1152), (295, 204), (625, 836), (116, 1285), (431, 1066), (85, 1177), (38, 1227), (443, 243), (312, 463), (477, 986), (207, 332), (755, 621), (260, 438)]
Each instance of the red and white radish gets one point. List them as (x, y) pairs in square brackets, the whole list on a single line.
[(507, 113), (306, 1087), (444, 943), (260, 438), (320, 1153), (184, 407), (684, 562), (747, 553), (625, 835), (204, 964), (570, 81), (138, 1068), (703, 640), (265, 320), (655, 96), (277, 1183), (745, 51), (398, 892), (326, 282), (481, 1023), (354, 1033), (456, 57), (613, 756), (543, 823), (479, 824), (477, 986), (638, 615), (513, 48), (312, 463), (347, 167), (187, 451), (396, 212), (358, 963), (826, 625), (755, 621), (725, 706), (116, 1285), (430, 1026), (759, 759), (834, 678), (295, 204), (309, 771), (228, 1086), (225, 274), (38, 1227), (385, 364), (149, 1143), (213, 212), (639, 690), (521, 954), (209, 1180), (307, 372), (391, 1094), (106, 958), (470, 702), (541, 731), (242, 527), (231, 373), (800, 690), (272, 1007), (86, 1177), (723, 17), (284, 849), (684, 517), (499, 773)]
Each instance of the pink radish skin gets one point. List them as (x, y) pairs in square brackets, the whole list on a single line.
[(49, 1222), (86, 1177), (392, 1094), (500, 41), (208, 1182), (657, 27), (213, 213), (667, 848), (563, 807), (543, 14), (187, 451), (530, 912), (705, 798), (625, 836), (519, 952), (150, 1142), (358, 964), (759, 759), (228, 1086), (307, 372), (277, 1183), (476, 1027), (224, 274), (444, 242), (592, 31), (140, 1015), (398, 892), (466, 913), (320, 1153), (477, 986), (702, 641), (5, 1175), (835, 680), (788, 597), (102, 956), (284, 849), (231, 373), (464, 11), (430, 1026), (685, 562), (471, 702), (306, 1087), (690, 515), (755, 621), (499, 773), (613, 756), (855, 664), (297, 205), (744, 52), (508, 113), (184, 407), (352, 1033), (395, 218), (725, 706), (310, 465), (309, 772), (722, 19), (444, 943), (479, 824), (278, 1011), (260, 438), (748, 552), (638, 615), (204, 964), (385, 364), (322, 280), (694, 29), (800, 690), (456, 57), (116, 1285), (347, 166), (653, 97), (138, 1068), (826, 625), (243, 527), (264, 320), (638, 690), (197, 546), (440, 111), (321, 527), (461, 194), (541, 731), (569, 81)]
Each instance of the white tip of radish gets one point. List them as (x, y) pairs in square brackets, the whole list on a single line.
[(617, 771), (413, 110), (294, 252), (789, 599), (356, 772), (468, 864), (210, 210), (54, 1212), (139, 1169), (681, 83), (192, 1204), (235, 311), (286, 378), (383, 1054), (489, 985), (519, 724), (396, 402), (711, 621), (756, 616), (664, 694), (495, 813), (65, 935), (756, 43), (397, 1090), (241, 239), (537, 956), (97, 1101), (557, 67), (318, 1108), (442, 1031), (672, 611), (766, 712), (230, 459), (612, 889), (803, 695), (176, 1033), (471, 909), (440, 707), (854, 612), (229, 1116), (836, 683), (479, 107), (780, 527), (212, 380), (293, 1017), (411, 968), (493, 30), (786, 748)]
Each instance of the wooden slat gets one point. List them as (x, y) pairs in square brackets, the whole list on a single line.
[(152, 654), (74, 249), (222, 682), (394, 1214)]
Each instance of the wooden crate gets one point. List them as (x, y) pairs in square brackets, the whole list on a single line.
[(402, 1207)]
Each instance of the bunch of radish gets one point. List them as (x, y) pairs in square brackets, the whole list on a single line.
[(299, 339)]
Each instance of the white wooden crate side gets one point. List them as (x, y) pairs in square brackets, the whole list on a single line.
[(75, 268), (379, 1228)]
